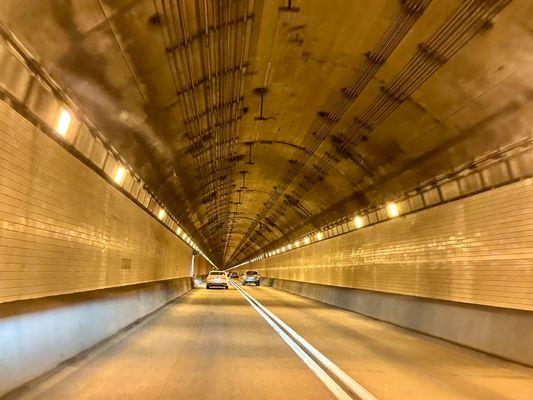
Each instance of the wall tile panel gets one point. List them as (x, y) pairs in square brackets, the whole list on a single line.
[(63, 228), (475, 250)]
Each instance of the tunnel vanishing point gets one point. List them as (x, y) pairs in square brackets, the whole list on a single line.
[(355, 176)]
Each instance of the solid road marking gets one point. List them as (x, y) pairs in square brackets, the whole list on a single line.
[(342, 376), (322, 375)]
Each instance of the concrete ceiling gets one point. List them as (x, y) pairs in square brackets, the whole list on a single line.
[(256, 121)]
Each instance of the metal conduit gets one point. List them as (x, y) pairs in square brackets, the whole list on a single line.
[(210, 84), (471, 17), (325, 123)]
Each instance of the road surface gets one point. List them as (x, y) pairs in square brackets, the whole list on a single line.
[(223, 344)]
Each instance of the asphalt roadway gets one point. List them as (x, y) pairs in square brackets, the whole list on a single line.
[(263, 343)]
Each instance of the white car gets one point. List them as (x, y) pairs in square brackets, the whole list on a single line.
[(217, 278)]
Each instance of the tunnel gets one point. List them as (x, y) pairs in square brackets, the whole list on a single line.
[(266, 199)]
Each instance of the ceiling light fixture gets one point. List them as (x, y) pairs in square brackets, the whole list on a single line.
[(392, 210), (119, 175), (63, 122)]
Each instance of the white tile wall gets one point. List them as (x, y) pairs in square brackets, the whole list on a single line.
[(475, 250), (64, 229)]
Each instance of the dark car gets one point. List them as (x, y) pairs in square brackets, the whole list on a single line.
[(234, 275), (251, 277)]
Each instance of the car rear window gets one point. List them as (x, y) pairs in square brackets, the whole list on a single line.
[(251, 273), (216, 273)]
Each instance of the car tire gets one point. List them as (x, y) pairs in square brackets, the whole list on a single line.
[(257, 284), (226, 287), (207, 286)]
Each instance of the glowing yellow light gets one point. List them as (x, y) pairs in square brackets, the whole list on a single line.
[(297, 243), (119, 175), (283, 248), (178, 230), (63, 122), (161, 214), (307, 240), (319, 236), (289, 246), (358, 221), (392, 210)]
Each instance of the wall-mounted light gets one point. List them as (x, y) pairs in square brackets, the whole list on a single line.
[(178, 230), (63, 122), (161, 214), (307, 240), (297, 243), (119, 175), (392, 210), (289, 246), (319, 236), (358, 221)]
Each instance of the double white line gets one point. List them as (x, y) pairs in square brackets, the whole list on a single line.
[(292, 338)]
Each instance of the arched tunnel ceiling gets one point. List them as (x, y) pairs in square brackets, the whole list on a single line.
[(255, 121)]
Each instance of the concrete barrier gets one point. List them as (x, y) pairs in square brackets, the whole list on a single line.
[(502, 332), (198, 280), (38, 335)]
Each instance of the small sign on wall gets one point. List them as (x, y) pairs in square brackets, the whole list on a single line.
[(126, 263)]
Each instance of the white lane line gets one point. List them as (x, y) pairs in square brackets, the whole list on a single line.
[(346, 379), (322, 375)]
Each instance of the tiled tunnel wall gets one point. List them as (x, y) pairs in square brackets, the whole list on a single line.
[(201, 266), (476, 250), (65, 229), (66, 225)]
